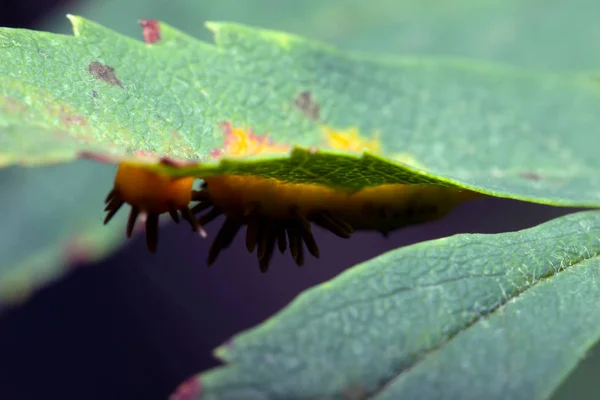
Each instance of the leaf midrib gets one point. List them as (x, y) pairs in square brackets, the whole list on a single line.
[(426, 354)]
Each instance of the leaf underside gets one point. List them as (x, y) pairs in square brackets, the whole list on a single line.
[(490, 128), (466, 317), (52, 224)]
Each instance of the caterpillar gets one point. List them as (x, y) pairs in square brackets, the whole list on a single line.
[(150, 194), (276, 214)]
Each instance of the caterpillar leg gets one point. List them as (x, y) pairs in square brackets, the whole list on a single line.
[(263, 234)]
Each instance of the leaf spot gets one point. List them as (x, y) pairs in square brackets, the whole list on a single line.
[(240, 142), (305, 102), (530, 176), (150, 30), (350, 140), (105, 73)]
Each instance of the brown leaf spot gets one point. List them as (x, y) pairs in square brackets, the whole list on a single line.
[(150, 30), (105, 73), (307, 105), (188, 390), (530, 176)]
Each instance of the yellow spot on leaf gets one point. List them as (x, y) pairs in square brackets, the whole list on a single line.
[(351, 140), (240, 142)]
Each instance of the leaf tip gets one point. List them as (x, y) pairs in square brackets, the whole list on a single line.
[(187, 390), (221, 352), (76, 22), (212, 26)]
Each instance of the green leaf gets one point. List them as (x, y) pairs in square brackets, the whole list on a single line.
[(489, 128), (51, 223), (532, 33), (471, 316), (544, 34), (63, 232)]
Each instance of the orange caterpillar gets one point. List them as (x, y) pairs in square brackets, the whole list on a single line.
[(275, 213), (151, 194)]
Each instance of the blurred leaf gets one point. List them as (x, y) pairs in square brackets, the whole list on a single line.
[(51, 223), (471, 316), (492, 129), (545, 34), (540, 34)]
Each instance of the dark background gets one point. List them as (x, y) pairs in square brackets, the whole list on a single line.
[(134, 326)]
